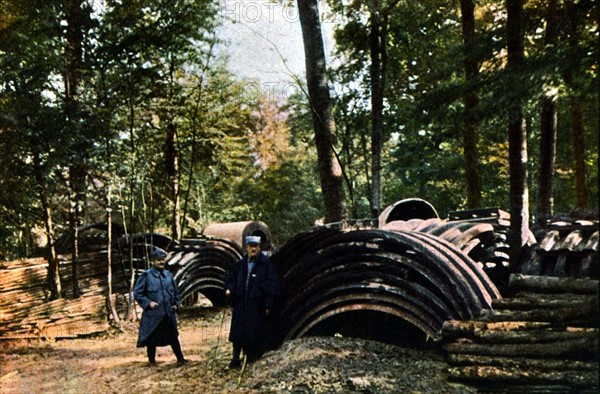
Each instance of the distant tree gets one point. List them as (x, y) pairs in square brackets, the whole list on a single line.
[(321, 108)]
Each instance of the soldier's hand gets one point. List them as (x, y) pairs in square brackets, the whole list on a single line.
[(174, 307), (153, 304)]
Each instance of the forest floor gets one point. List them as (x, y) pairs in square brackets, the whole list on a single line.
[(111, 363)]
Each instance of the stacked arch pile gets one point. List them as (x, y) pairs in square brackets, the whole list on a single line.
[(405, 276), (484, 243), (200, 266)]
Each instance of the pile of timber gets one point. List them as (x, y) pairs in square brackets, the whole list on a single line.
[(543, 339), (27, 312)]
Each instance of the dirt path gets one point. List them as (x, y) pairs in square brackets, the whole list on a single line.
[(112, 364)]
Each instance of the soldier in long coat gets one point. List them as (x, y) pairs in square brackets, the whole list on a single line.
[(252, 285), (156, 292)]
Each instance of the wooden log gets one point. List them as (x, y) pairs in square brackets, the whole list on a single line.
[(584, 349), (528, 301), (584, 315), (522, 362), (548, 284), (466, 328), (515, 337), (490, 374)]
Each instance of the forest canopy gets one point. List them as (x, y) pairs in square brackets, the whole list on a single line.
[(125, 107)]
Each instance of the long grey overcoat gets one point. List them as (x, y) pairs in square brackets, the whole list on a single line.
[(160, 287)]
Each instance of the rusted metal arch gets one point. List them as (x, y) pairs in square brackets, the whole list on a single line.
[(358, 265), (237, 231), (410, 300), (408, 208), (376, 240), (353, 302), (447, 272), (470, 269), (394, 260), (301, 244), (480, 241), (202, 267), (306, 294)]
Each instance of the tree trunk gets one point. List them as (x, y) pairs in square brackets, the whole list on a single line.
[(54, 282), (74, 57), (545, 198), (131, 302), (517, 135), (172, 164), (111, 305), (576, 110), (470, 136), (320, 102), (579, 152), (376, 43)]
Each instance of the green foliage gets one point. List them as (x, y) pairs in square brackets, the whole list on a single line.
[(149, 70)]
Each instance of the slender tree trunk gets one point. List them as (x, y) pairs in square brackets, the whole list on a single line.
[(376, 43), (470, 135), (131, 304), (517, 135), (545, 193), (320, 102), (54, 282), (172, 163), (111, 304)]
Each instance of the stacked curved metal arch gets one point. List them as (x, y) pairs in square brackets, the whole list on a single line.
[(202, 268), (482, 242), (414, 276)]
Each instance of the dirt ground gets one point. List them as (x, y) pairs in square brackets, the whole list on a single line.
[(112, 364)]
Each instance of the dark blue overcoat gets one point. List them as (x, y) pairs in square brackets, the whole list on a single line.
[(160, 287), (249, 305)]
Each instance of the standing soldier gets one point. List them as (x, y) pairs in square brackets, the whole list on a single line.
[(156, 292), (252, 285)]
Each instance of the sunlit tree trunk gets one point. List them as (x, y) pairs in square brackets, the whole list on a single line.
[(517, 135), (470, 135), (376, 43), (131, 219), (320, 101), (111, 305)]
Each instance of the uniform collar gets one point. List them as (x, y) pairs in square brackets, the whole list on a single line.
[(156, 272)]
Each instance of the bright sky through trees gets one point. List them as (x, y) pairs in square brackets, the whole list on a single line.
[(264, 42)]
